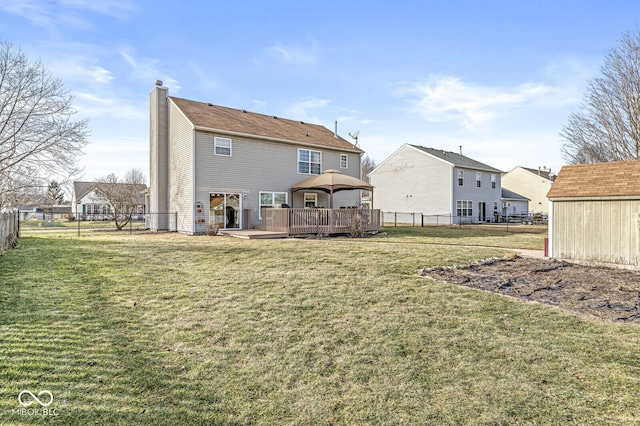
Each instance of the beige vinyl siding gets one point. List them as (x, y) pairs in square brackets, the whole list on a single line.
[(181, 170), (529, 185), (259, 165), (158, 178), (604, 231), (410, 181)]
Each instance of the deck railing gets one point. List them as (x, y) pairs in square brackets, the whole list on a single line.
[(320, 221)]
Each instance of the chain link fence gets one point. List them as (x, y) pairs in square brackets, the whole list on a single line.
[(418, 219), (80, 223)]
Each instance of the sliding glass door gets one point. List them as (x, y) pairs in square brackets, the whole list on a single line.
[(224, 210)]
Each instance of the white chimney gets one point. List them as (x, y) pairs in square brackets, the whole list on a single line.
[(335, 132)]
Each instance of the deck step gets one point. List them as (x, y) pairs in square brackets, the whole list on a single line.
[(255, 234)]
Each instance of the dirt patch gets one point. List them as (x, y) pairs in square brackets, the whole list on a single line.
[(612, 295)]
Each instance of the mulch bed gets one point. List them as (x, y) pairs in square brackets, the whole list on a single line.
[(612, 295)]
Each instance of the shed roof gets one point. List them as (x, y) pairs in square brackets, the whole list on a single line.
[(456, 159), (614, 179), (221, 118)]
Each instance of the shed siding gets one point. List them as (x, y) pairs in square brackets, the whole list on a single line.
[(180, 171), (411, 181), (258, 165), (597, 230)]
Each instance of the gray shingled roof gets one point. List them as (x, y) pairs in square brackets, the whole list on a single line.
[(81, 189), (543, 173), (510, 195), (456, 159)]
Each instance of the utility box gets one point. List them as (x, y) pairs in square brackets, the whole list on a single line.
[(246, 219)]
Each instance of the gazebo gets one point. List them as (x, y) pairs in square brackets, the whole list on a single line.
[(323, 221), (331, 181)]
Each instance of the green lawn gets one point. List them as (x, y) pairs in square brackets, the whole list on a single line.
[(169, 329)]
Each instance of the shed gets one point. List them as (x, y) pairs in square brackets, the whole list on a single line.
[(594, 214)]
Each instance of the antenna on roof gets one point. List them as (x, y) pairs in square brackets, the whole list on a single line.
[(355, 136)]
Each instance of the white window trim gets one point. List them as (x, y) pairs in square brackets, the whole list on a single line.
[(493, 181), (346, 161), (314, 196), (309, 162), (465, 207), (460, 177), (273, 197), (478, 179), (215, 146)]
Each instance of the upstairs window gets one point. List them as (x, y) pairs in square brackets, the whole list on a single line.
[(309, 162), (493, 181), (344, 161), (460, 178), (478, 179), (222, 146)]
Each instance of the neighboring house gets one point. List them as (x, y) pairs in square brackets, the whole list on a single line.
[(533, 184), (514, 204), (88, 205), (437, 183), (42, 211), (219, 165), (593, 214)]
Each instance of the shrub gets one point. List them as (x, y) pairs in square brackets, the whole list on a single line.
[(212, 229), (355, 227), (70, 217)]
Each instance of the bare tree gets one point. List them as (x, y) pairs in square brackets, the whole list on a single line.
[(607, 128), (123, 196), (38, 136), (366, 166)]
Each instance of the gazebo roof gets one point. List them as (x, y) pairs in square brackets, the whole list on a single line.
[(332, 181)]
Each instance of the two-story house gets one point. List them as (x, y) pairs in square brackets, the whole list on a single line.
[(436, 183), (214, 164), (533, 184)]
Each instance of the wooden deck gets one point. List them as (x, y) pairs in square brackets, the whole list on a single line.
[(319, 221)]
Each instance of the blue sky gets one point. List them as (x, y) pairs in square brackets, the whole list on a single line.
[(497, 77)]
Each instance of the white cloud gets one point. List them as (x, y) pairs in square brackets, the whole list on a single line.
[(148, 70), (79, 68), (53, 15), (107, 106), (301, 109), (448, 98), (119, 9), (294, 56)]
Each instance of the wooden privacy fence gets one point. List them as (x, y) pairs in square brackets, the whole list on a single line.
[(320, 221), (8, 229)]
